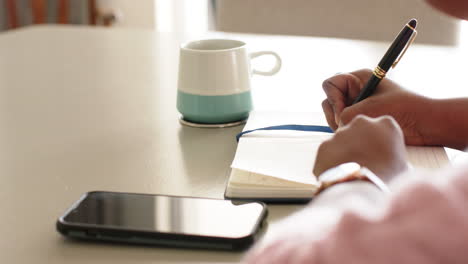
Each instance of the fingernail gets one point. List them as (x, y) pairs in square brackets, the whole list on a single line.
[(337, 119)]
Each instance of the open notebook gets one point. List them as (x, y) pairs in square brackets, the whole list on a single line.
[(277, 165)]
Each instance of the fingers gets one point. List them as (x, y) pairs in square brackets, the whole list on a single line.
[(365, 109), (321, 163), (335, 88), (350, 113), (385, 126), (356, 82), (329, 114), (363, 74), (341, 90), (390, 124), (376, 143), (385, 122)]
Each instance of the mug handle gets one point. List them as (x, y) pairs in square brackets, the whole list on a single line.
[(273, 70)]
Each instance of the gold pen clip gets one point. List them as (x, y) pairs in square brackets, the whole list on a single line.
[(413, 36)]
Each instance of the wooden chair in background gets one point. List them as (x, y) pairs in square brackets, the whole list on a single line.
[(17, 13)]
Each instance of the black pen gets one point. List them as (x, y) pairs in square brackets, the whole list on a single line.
[(390, 59)]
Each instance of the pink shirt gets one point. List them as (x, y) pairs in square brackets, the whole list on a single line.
[(424, 223)]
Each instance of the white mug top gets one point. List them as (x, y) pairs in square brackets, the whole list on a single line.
[(212, 45), (214, 67)]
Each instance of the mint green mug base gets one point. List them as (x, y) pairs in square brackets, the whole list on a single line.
[(214, 120), (215, 109)]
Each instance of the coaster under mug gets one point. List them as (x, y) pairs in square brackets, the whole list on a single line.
[(221, 125)]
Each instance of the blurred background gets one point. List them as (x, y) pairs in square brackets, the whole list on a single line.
[(355, 19)]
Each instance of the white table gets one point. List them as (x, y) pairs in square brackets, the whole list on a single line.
[(94, 109)]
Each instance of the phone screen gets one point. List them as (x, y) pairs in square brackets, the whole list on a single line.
[(166, 214)]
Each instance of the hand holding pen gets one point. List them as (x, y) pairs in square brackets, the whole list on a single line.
[(389, 98), (390, 59)]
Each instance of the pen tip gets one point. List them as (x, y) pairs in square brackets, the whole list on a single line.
[(413, 23)]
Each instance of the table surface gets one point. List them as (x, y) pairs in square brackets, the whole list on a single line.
[(94, 109)]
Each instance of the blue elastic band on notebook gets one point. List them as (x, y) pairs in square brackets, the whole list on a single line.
[(309, 128)]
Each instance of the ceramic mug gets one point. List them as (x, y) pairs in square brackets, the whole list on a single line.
[(214, 80)]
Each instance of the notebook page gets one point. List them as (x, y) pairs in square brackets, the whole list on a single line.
[(247, 179), (290, 159)]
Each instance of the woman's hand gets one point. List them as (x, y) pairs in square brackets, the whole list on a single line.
[(376, 143), (389, 99)]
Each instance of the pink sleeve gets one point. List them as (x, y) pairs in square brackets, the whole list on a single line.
[(423, 224)]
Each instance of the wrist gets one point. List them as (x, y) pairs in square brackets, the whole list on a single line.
[(356, 196), (349, 172), (345, 190), (442, 124)]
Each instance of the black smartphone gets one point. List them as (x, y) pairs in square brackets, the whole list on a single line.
[(163, 220)]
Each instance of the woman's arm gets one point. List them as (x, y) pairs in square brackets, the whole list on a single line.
[(422, 224)]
